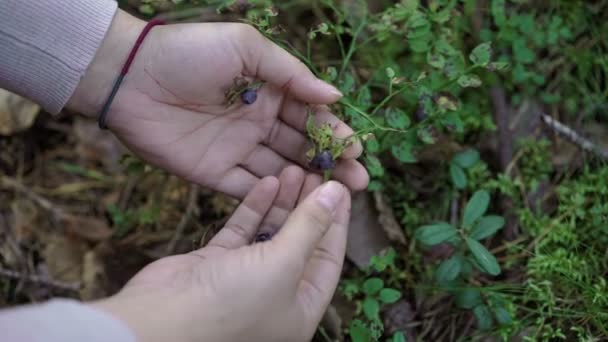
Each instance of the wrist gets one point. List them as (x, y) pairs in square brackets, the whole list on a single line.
[(96, 84)]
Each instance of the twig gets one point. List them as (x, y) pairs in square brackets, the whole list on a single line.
[(574, 137), (181, 226), (41, 201), (75, 287)]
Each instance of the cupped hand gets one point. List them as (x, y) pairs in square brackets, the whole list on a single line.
[(171, 108), (235, 290)]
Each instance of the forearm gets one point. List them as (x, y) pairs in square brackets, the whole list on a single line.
[(46, 46), (62, 320)]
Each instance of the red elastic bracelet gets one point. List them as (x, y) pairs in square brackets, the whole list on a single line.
[(125, 69)]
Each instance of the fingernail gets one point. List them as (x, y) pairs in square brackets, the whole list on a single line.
[(330, 89), (330, 195)]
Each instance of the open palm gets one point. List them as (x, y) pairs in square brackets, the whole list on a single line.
[(171, 109)]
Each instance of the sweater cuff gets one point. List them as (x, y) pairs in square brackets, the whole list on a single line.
[(46, 46), (62, 320)]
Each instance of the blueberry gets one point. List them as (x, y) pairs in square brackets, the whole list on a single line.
[(249, 96), (261, 237), (323, 161)]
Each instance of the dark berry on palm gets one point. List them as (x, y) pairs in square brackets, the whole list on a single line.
[(261, 237), (323, 161), (249, 96)]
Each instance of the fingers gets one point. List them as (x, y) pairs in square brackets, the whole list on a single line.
[(243, 224), (293, 145), (269, 62), (308, 223), (291, 180), (352, 174), (322, 273), (237, 182)]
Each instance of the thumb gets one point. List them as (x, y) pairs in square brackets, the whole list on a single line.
[(278, 67), (309, 222)]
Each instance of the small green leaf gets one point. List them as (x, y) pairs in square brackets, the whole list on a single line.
[(390, 73), (481, 54), (397, 118), (476, 207), (468, 298), (484, 317), (359, 332), (371, 308), (399, 337), (459, 178), (503, 317), (372, 285), (404, 152), (436, 233), (435, 60), (470, 80), (466, 159), (487, 226), (374, 167), (449, 269), (498, 66), (364, 98), (389, 296), (522, 53), (486, 261)]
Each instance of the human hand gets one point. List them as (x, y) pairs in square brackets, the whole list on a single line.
[(233, 291), (171, 109)]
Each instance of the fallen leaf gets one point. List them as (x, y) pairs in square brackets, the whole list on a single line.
[(25, 216), (87, 228), (386, 218), (93, 277), (398, 317), (97, 145), (366, 236), (16, 113), (63, 257)]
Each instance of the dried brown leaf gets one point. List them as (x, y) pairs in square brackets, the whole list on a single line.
[(386, 218), (64, 257), (16, 113), (366, 236), (87, 228), (93, 277)]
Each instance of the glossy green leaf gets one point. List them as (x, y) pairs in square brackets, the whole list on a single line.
[(398, 337), (436, 233), (487, 226), (484, 317), (503, 317), (449, 269), (389, 296), (481, 54), (372, 285), (476, 207), (359, 332), (371, 308), (459, 178), (486, 261), (468, 298), (466, 159)]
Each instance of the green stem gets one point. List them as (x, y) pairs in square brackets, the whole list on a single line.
[(369, 118), (388, 98), (352, 48)]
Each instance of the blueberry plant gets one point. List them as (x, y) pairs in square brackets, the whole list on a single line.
[(416, 77)]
